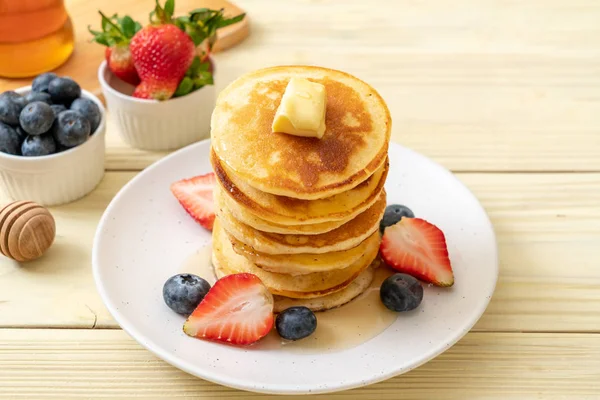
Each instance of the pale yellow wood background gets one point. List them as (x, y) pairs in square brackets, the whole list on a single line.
[(505, 93)]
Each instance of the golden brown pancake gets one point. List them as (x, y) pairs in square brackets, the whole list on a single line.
[(330, 301), (285, 210), (345, 237), (260, 224), (355, 143), (312, 285), (305, 263)]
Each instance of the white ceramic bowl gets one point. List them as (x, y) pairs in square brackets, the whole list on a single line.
[(157, 125), (57, 178)]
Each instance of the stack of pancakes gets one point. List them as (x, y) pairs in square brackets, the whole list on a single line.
[(300, 213)]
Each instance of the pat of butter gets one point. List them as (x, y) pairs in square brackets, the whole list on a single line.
[(302, 109)]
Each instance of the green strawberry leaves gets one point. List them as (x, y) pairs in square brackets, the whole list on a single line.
[(163, 15), (202, 24), (115, 30), (170, 7), (129, 26), (196, 77)]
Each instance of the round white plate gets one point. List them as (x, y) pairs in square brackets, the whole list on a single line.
[(145, 236)]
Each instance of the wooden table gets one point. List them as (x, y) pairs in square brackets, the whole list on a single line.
[(504, 93)]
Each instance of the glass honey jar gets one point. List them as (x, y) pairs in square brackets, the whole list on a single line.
[(35, 36)]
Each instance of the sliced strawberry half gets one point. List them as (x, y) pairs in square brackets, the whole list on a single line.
[(418, 248), (238, 309), (196, 196)]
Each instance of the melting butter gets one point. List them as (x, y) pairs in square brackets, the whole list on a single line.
[(302, 109)]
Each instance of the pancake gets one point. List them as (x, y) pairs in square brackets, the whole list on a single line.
[(260, 224), (345, 237), (305, 263), (301, 286), (285, 210), (327, 302), (354, 145), (333, 300)]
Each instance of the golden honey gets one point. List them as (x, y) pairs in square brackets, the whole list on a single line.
[(35, 36)]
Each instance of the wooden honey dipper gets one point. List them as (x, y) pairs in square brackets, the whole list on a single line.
[(27, 230)]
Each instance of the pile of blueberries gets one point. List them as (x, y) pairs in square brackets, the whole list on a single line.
[(53, 117)]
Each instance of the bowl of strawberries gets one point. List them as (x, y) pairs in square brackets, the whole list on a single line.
[(158, 79)]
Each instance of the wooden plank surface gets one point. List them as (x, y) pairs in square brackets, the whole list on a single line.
[(548, 229), (93, 364), (488, 88), (479, 85)]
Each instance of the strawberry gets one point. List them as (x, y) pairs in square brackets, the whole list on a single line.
[(418, 248), (116, 35), (196, 196), (238, 309), (120, 63), (170, 57), (162, 53)]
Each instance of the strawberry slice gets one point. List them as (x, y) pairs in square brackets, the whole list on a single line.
[(418, 248), (196, 196), (238, 309)]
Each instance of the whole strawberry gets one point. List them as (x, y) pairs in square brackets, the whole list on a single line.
[(162, 53), (116, 34), (120, 62)]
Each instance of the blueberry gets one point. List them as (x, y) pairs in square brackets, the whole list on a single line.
[(393, 214), (39, 145), (295, 323), (10, 108), (21, 134), (183, 292), (57, 109), (9, 140), (10, 93), (64, 90), (16, 97), (36, 118), (40, 83), (38, 96), (88, 109), (71, 128), (401, 292)]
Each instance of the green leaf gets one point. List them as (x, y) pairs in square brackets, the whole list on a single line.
[(226, 22), (195, 65), (185, 87), (115, 30), (128, 27), (162, 15), (105, 22), (197, 37), (170, 7), (203, 78), (108, 25), (101, 39), (203, 67), (201, 14), (93, 32), (183, 23), (200, 10)]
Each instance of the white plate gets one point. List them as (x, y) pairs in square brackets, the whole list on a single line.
[(145, 236)]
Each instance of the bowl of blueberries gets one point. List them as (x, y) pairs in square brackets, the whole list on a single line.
[(52, 141)]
